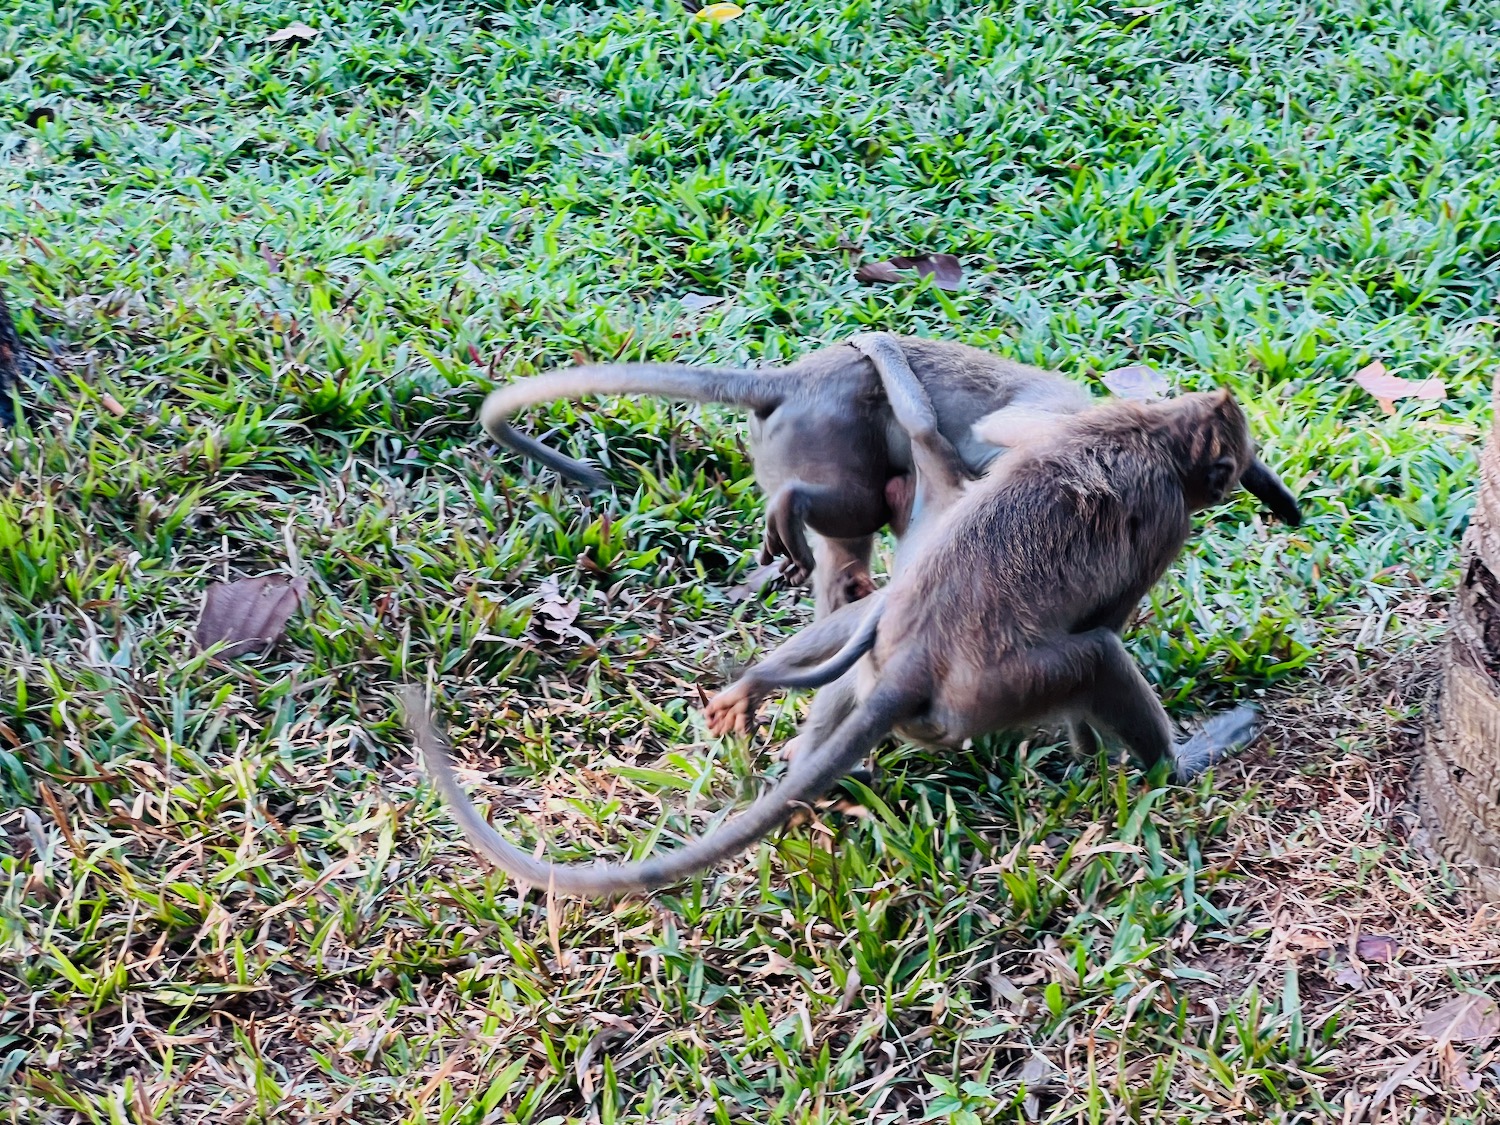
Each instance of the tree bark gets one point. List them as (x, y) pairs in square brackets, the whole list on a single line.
[(1460, 780)]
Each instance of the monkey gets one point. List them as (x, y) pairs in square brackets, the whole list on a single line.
[(828, 455), (940, 477), (840, 639), (15, 367), (1009, 616)]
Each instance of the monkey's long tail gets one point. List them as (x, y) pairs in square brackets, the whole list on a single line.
[(754, 390), (811, 774)]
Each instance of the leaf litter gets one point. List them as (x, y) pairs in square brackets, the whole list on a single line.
[(1137, 382), (1388, 389), (249, 614), (297, 32), (946, 271), (1468, 1018), (553, 615)]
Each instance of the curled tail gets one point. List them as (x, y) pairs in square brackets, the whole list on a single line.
[(811, 774), (756, 390)]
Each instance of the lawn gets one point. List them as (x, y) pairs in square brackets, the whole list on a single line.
[(268, 284)]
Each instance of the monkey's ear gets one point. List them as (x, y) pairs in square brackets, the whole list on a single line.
[(1217, 478)]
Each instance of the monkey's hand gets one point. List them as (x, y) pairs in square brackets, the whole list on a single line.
[(733, 709)]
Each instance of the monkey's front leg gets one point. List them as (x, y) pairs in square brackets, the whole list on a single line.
[(734, 707), (1115, 698)]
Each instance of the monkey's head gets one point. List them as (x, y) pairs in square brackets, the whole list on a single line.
[(1215, 452)]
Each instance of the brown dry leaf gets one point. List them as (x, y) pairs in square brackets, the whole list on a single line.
[(877, 271), (1456, 1068), (1137, 382), (1037, 1071), (1378, 948), (1308, 941), (249, 614), (1470, 1017), (1387, 388), (1400, 1076), (944, 269), (776, 966), (294, 32), (554, 615), (1349, 977)]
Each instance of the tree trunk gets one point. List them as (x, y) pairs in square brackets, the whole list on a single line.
[(1461, 757)]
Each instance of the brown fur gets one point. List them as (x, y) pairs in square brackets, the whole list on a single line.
[(827, 452), (1007, 617)]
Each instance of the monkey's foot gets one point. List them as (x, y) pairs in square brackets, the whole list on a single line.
[(795, 573), (1218, 736), (790, 749), (785, 538), (733, 709), (788, 569), (854, 585)]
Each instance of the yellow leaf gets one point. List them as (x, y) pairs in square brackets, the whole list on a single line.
[(721, 12)]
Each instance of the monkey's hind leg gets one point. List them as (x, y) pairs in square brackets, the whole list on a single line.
[(1082, 739), (1120, 702), (830, 707), (842, 572), (838, 513)]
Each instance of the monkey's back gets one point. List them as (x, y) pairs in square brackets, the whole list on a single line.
[(1060, 538)]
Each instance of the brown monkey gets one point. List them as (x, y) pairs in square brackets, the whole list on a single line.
[(15, 366), (838, 641), (1009, 616), (826, 449)]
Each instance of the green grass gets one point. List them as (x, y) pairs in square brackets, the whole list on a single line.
[(227, 895)]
